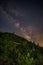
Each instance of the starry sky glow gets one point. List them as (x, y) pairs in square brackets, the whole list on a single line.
[(24, 17)]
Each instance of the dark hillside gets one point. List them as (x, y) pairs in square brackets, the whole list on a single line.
[(15, 50)]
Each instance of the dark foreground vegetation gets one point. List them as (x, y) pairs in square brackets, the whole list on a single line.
[(15, 50)]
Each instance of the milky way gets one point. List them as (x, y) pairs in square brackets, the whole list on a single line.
[(25, 18)]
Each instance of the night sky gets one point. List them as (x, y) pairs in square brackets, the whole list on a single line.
[(24, 17)]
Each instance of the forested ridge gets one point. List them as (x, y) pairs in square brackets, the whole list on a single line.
[(15, 50)]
